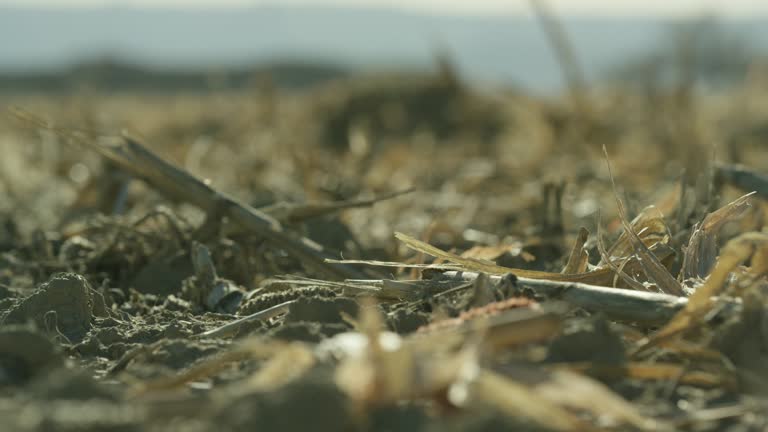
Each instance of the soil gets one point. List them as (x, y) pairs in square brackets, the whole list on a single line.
[(103, 308)]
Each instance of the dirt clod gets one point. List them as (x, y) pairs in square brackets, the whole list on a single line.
[(63, 304)]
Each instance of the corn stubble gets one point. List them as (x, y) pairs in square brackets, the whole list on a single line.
[(423, 283)]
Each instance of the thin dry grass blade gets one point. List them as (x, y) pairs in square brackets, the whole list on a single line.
[(566, 57), (631, 282), (490, 253), (655, 271), (295, 213), (701, 252), (375, 263), (231, 328), (735, 252), (578, 258), (650, 228), (597, 277)]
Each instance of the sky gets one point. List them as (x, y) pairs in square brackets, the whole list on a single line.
[(736, 8)]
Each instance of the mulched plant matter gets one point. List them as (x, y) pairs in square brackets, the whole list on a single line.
[(383, 253)]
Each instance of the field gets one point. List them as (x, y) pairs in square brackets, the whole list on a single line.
[(384, 252)]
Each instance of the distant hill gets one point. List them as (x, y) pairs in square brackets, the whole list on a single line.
[(117, 75), (508, 49)]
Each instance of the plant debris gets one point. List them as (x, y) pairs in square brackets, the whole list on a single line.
[(378, 255)]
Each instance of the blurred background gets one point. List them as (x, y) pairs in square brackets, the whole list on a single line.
[(43, 43), (490, 107)]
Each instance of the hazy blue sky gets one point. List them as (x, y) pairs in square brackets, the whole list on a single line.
[(605, 7)]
